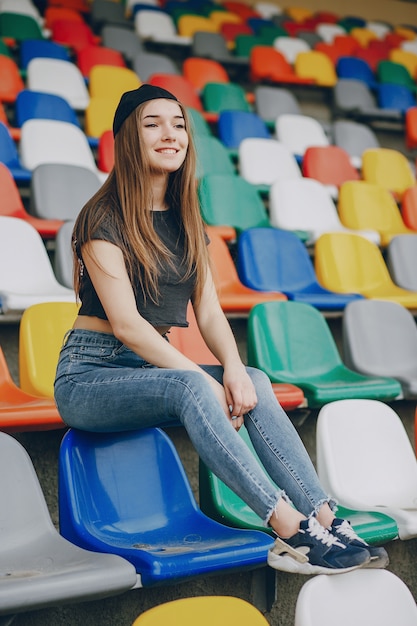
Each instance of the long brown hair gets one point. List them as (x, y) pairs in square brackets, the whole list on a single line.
[(126, 200)]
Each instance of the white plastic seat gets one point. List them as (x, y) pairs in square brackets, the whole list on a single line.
[(380, 339), (59, 77), (361, 597), (299, 132), (329, 31), (158, 27), (39, 567), (290, 47), (263, 161), (366, 461), (305, 204), (27, 277), (52, 141)]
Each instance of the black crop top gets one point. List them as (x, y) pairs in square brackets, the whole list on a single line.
[(174, 293)]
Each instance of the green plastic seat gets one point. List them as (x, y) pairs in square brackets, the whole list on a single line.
[(218, 97), (212, 157), (19, 26), (395, 73), (222, 504), (198, 124), (231, 200), (292, 342)]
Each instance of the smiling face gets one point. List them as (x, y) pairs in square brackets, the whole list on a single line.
[(163, 135)]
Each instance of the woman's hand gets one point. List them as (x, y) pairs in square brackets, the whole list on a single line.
[(240, 393)]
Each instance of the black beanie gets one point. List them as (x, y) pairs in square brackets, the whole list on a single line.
[(132, 99)]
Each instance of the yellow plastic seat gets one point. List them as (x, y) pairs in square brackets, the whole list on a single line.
[(42, 330), (299, 13), (99, 115), (224, 17), (189, 24), (364, 205), (204, 611), (389, 168), (347, 262), (109, 81), (317, 66), (363, 35)]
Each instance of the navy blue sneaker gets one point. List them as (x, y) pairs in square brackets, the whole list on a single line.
[(315, 550), (344, 532)]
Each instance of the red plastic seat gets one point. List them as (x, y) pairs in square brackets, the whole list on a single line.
[(92, 55), (185, 92), (74, 34), (105, 155), (409, 207), (330, 165)]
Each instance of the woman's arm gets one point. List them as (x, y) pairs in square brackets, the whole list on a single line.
[(218, 335)]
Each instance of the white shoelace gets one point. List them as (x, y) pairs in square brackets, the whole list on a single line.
[(322, 534), (346, 530)]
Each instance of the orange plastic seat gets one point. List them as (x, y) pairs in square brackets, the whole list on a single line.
[(21, 411), (409, 207), (266, 64), (11, 82), (191, 343), (411, 128), (53, 13), (12, 206), (199, 72), (233, 295), (92, 55)]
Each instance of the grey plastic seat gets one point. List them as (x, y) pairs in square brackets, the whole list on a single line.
[(147, 63), (355, 138), (213, 46), (380, 338), (39, 568), (402, 260), (122, 39), (60, 190), (63, 259), (353, 98), (271, 102)]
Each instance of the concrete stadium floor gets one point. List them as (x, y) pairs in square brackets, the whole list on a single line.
[(123, 609)]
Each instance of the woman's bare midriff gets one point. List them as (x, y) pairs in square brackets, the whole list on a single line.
[(85, 322)]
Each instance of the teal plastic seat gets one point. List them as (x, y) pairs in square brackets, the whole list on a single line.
[(231, 200), (219, 97), (212, 156), (223, 505), (292, 342)]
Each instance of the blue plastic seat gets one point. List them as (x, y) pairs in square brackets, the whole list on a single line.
[(31, 48), (128, 494), (271, 259), (9, 155), (41, 105), (234, 126), (396, 97), (358, 69)]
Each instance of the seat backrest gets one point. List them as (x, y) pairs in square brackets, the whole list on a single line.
[(271, 101), (122, 39), (63, 258), (190, 342), (41, 105), (379, 338), (105, 151), (25, 512), (290, 47), (401, 260), (355, 68), (383, 475), (234, 126), (291, 339), (209, 45), (150, 24), (347, 262), (329, 31), (180, 87), (41, 333), (391, 72), (111, 82), (146, 63), (409, 207), (60, 190), (316, 65), (12, 203), (299, 132), (389, 168), (212, 157), (263, 161), (228, 199), (11, 82), (302, 204), (19, 26), (377, 596), (200, 71), (59, 77), (53, 141), (395, 97), (92, 55), (94, 476), (269, 259), (330, 165), (99, 115), (32, 48), (218, 97), (188, 24), (355, 138), (353, 94)]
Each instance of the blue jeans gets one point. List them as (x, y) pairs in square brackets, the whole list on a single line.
[(102, 386)]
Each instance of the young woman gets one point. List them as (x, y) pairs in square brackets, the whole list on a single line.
[(140, 253)]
